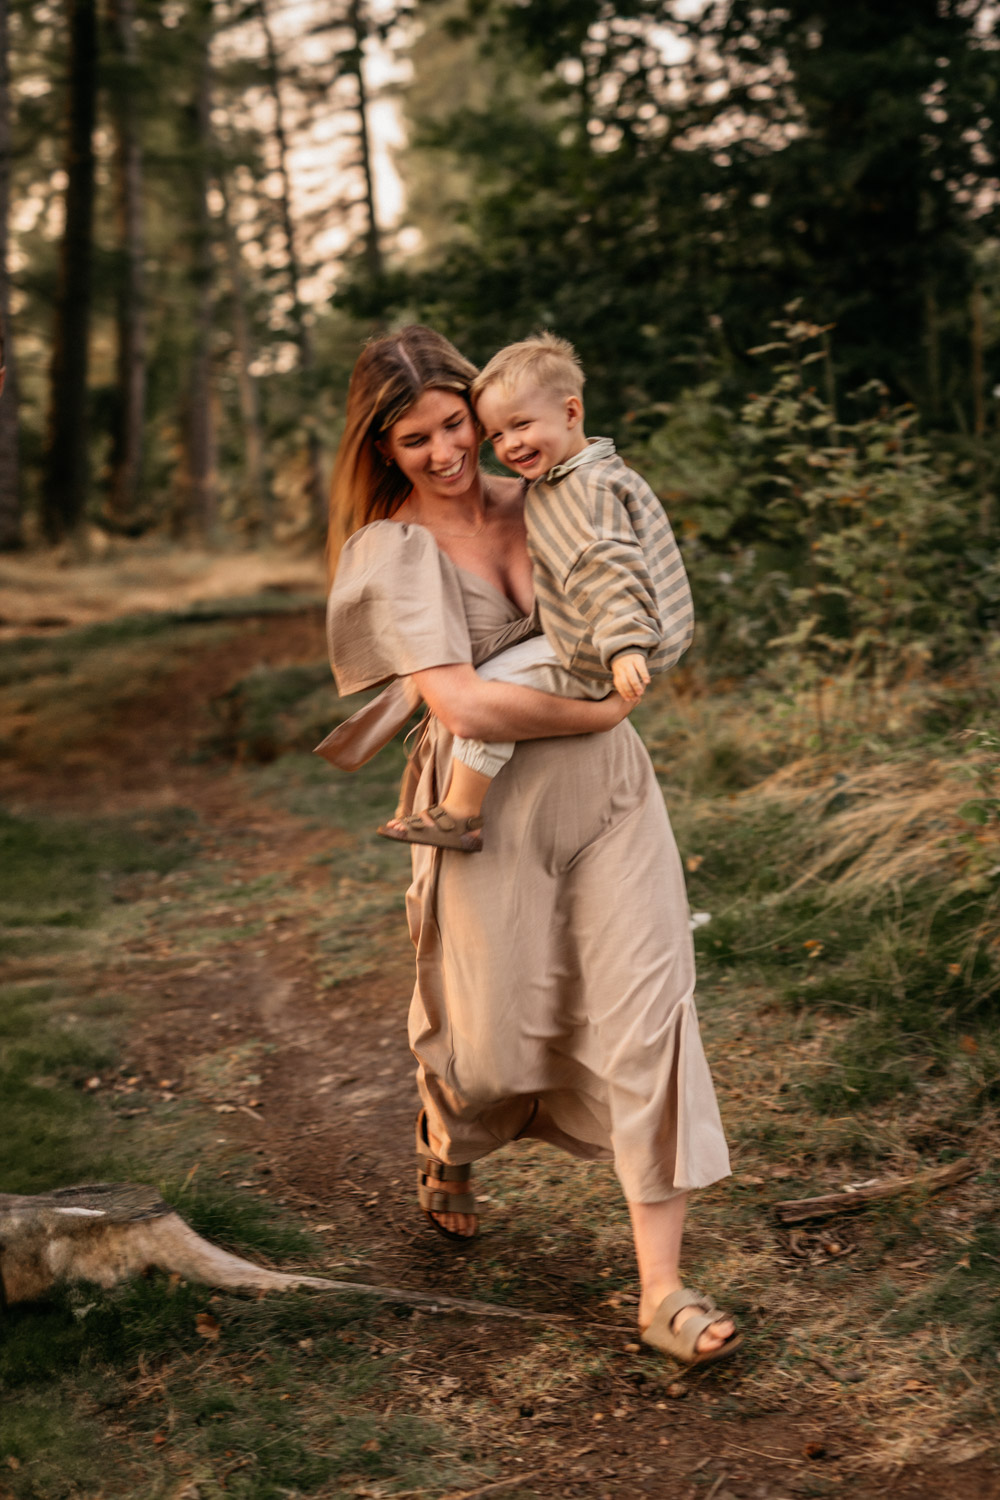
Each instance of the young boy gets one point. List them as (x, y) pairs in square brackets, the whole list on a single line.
[(611, 593)]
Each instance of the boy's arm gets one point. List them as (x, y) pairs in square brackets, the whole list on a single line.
[(609, 579)]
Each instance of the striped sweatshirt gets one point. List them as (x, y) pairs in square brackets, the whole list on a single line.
[(608, 575)]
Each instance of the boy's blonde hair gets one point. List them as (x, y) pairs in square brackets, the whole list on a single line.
[(550, 361)]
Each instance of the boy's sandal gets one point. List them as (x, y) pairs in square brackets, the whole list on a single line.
[(682, 1343), (443, 831), (432, 1200)]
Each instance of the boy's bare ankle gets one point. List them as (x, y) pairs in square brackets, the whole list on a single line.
[(460, 810)]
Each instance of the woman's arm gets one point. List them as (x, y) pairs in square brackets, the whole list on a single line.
[(478, 710)]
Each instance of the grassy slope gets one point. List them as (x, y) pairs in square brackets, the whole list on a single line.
[(850, 1017), (287, 1396)]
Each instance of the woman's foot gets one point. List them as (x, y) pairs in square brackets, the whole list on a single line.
[(438, 827), (437, 1181), (465, 1226), (709, 1334)]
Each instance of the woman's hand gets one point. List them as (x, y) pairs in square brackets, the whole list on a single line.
[(616, 708)]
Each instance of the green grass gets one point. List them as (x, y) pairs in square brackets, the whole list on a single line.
[(853, 1033), (293, 1396), (272, 710), (63, 873), (286, 1398)]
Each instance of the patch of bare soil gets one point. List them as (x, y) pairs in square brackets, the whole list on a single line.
[(328, 1124), (51, 590)]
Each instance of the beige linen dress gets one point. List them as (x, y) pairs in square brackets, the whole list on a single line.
[(554, 994)]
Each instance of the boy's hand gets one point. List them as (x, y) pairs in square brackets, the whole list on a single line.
[(631, 675)]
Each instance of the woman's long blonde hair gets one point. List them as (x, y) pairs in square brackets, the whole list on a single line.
[(391, 374)]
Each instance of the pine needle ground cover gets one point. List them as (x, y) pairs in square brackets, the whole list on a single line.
[(206, 980)]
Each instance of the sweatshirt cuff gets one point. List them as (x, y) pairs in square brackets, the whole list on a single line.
[(644, 651)]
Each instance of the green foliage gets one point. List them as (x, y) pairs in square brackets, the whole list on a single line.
[(657, 201), (985, 809), (818, 544)]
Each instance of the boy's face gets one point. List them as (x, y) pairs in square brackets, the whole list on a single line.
[(531, 429)]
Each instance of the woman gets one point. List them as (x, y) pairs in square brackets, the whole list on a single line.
[(555, 975)]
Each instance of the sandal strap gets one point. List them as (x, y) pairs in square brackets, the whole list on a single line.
[(437, 828), (683, 1341), (448, 824), (686, 1337), (442, 1171), (430, 1167), (445, 1203), (686, 1297)]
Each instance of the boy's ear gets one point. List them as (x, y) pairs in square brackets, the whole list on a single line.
[(574, 411)]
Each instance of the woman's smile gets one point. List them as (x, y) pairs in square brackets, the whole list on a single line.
[(453, 471)]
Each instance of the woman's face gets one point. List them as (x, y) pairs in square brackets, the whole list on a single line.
[(435, 445)]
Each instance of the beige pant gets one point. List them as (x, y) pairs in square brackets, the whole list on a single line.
[(534, 664)]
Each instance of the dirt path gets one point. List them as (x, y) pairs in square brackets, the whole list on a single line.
[(53, 590), (314, 1086)]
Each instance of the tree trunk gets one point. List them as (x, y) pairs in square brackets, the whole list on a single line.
[(10, 488), (64, 486), (302, 333), (255, 498), (199, 474), (127, 441), (355, 64)]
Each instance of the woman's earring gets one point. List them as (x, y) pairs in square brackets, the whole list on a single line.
[(388, 463)]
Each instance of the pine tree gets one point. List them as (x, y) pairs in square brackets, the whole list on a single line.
[(64, 491), (10, 488)]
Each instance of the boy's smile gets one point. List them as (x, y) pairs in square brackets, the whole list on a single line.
[(531, 429)]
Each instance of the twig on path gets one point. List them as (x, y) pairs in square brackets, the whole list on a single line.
[(845, 1376), (433, 1303), (498, 1484), (798, 1210), (774, 1458)]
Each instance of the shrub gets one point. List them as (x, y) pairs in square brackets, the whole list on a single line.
[(817, 545)]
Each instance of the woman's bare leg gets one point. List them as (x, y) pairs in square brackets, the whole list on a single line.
[(658, 1229)]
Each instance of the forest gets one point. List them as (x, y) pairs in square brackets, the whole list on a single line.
[(772, 232)]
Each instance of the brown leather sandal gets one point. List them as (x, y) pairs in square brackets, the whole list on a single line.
[(682, 1343), (432, 1200), (443, 832)]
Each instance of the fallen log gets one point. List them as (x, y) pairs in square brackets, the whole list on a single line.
[(798, 1210), (105, 1233)]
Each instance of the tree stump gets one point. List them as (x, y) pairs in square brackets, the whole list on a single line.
[(105, 1232)]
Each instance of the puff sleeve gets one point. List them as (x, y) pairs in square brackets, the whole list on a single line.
[(395, 607)]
